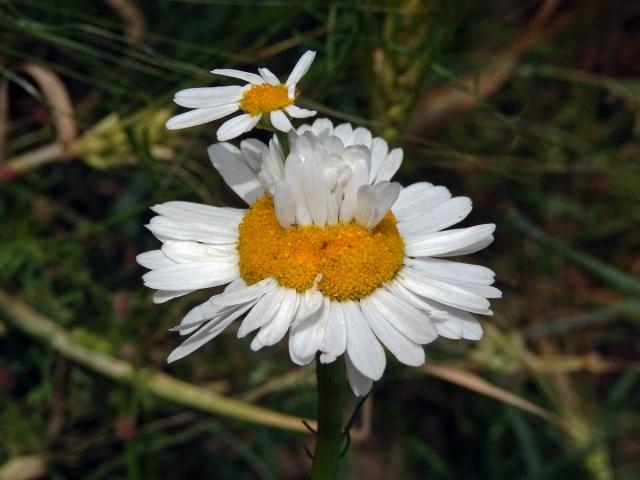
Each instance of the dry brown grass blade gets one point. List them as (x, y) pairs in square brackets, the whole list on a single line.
[(132, 17), (35, 158), (478, 384), (435, 106), (24, 467), (55, 91), (593, 363), (288, 43), (26, 319)]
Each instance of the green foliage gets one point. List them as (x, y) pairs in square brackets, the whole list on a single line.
[(550, 154)]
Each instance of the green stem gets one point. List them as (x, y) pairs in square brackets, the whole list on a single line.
[(330, 428)]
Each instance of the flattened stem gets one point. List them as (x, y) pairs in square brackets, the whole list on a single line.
[(330, 378)]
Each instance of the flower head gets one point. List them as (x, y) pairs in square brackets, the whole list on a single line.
[(264, 94), (329, 251)]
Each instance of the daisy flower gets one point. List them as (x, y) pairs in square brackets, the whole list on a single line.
[(264, 94), (329, 250)]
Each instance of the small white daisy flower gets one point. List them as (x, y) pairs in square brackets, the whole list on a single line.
[(329, 251), (263, 95)]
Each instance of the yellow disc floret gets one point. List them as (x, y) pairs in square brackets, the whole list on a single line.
[(350, 260), (265, 98)]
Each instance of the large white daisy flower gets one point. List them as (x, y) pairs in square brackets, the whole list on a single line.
[(329, 250), (263, 95)]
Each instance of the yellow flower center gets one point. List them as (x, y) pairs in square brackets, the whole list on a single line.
[(265, 98), (351, 260)]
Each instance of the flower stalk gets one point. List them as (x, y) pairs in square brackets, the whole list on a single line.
[(330, 378)]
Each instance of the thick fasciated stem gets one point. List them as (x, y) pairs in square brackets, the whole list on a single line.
[(330, 427)]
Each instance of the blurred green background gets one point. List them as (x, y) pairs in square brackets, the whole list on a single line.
[(531, 108)]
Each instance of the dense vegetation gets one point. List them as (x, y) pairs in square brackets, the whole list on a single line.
[(531, 108)]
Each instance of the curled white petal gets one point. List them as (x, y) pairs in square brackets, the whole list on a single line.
[(301, 67)]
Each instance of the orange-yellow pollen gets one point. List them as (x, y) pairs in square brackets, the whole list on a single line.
[(351, 260), (265, 98)]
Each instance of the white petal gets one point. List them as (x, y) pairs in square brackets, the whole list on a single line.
[(449, 329), (161, 296), (285, 205), (194, 252), (293, 176), (379, 151), (485, 291), (386, 195), (471, 328), (316, 190), (246, 76), (304, 145), (358, 159), (200, 116), (280, 121), (456, 327), (189, 276), (446, 242), (297, 112), (189, 212), (312, 300), (360, 384), (154, 259), (334, 342), (363, 347), (479, 288), (272, 168), (418, 198), (390, 166), (450, 322), (474, 247), (272, 332), (360, 136), (262, 312), (268, 76), (253, 151), (199, 232), (208, 96), (448, 213), (303, 129), (443, 292), (322, 127), (197, 316), (343, 132), (408, 320), (227, 159), (301, 67), (306, 336), (455, 272), (236, 126), (334, 146), (366, 204), (205, 334), (408, 352), (245, 294), (327, 358), (449, 319)]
